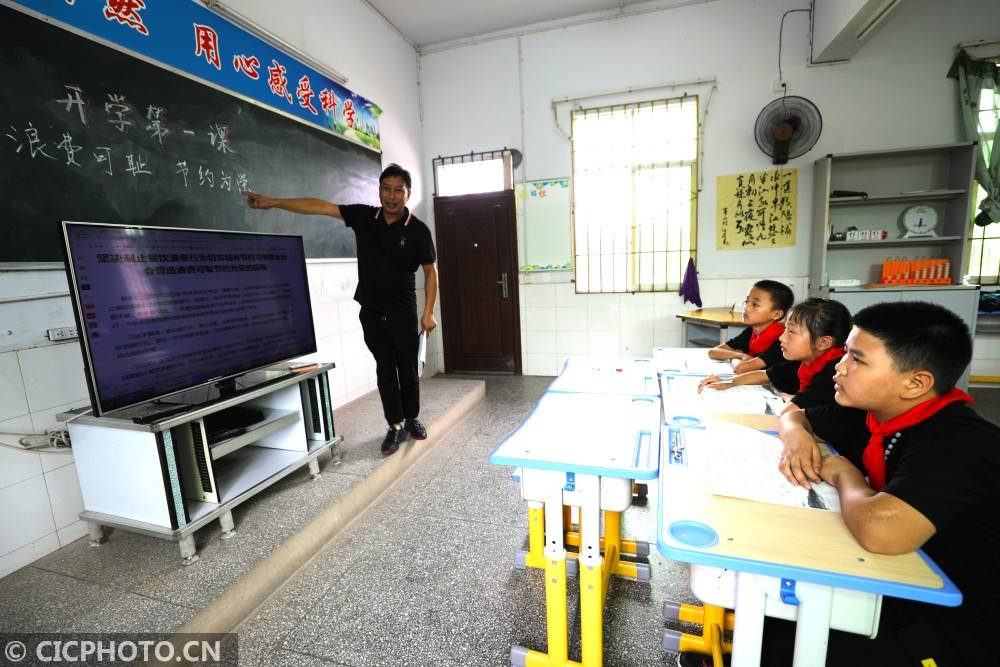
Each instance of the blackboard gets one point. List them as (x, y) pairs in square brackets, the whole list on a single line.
[(92, 134)]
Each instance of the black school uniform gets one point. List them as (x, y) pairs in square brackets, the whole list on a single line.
[(388, 257), (947, 468), (741, 342), (785, 378)]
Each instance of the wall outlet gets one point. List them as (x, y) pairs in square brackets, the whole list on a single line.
[(62, 333), (779, 86)]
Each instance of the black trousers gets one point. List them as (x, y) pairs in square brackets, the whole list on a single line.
[(393, 340), (904, 640)]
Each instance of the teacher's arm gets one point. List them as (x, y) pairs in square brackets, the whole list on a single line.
[(304, 205), (427, 322)]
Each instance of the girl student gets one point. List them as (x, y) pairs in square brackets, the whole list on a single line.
[(812, 344)]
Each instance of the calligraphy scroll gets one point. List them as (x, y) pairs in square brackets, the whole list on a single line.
[(756, 209)]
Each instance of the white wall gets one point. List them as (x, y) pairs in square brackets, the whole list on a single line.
[(893, 93), (39, 494), (557, 322)]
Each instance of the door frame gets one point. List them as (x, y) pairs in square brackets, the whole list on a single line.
[(512, 271)]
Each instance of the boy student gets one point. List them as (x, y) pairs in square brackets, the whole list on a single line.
[(933, 482), (757, 347), (392, 245)]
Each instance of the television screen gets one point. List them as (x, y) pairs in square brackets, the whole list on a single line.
[(161, 310)]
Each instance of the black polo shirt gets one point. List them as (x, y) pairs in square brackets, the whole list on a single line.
[(948, 469), (771, 356), (785, 378), (388, 257)]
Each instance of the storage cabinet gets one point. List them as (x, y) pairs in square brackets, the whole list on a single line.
[(939, 177), (170, 477)]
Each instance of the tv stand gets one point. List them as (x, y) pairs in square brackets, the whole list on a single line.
[(169, 477)]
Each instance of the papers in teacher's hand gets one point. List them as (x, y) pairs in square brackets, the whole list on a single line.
[(421, 353), (743, 463)]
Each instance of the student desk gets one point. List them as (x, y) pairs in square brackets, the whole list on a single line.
[(589, 464), (623, 376), (762, 559), (580, 374), (694, 361), (708, 327), (680, 393)]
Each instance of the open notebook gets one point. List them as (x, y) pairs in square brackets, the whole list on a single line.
[(743, 463), (747, 399)]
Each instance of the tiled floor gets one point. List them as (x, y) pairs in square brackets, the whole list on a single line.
[(426, 576), (135, 583)]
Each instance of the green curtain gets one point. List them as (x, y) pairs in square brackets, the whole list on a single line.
[(975, 76)]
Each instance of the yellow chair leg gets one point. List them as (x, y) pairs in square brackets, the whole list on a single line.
[(712, 619), (612, 547), (539, 659), (592, 615), (627, 546), (691, 613), (555, 611), (536, 537)]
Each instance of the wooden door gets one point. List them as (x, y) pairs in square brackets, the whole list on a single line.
[(477, 261)]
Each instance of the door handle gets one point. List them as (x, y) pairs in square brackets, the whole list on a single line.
[(503, 283)]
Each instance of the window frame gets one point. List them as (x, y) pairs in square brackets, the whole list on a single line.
[(633, 261), (984, 235)]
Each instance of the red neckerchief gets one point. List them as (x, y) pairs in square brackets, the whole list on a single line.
[(874, 454), (809, 369), (760, 342)]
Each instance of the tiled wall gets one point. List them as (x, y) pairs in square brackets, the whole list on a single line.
[(40, 494), (986, 355), (557, 322)]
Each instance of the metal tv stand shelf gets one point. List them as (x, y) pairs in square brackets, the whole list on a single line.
[(168, 478)]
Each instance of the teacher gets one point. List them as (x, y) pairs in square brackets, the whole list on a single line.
[(392, 244)]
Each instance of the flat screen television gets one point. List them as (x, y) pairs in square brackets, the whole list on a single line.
[(163, 310)]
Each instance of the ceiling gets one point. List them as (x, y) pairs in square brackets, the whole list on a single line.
[(430, 22)]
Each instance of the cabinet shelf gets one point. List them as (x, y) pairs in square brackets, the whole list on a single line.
[(926, 195), (931, 240), (274, 420), (168, 479), (940, 177)]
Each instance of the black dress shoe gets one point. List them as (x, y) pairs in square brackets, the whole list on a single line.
[(393, 439), (415, 428)]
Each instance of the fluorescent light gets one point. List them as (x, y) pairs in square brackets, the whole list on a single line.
[(234, 16), (877, 17)]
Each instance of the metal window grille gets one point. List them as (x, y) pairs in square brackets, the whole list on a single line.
[(474, 172), (635, 195), (984, 242)]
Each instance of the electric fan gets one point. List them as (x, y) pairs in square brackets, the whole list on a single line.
[(788, 127)]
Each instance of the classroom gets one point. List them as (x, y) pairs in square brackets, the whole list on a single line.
[(580, 199)]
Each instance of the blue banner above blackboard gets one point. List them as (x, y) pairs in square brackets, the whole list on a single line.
[(186, 36)]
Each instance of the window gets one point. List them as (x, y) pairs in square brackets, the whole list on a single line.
[(635, 206), (984, 242), (473, 173)]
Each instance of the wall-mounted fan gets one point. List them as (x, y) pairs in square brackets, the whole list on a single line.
[(788, 127)]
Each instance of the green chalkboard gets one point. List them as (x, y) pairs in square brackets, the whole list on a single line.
[(89, 133)]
